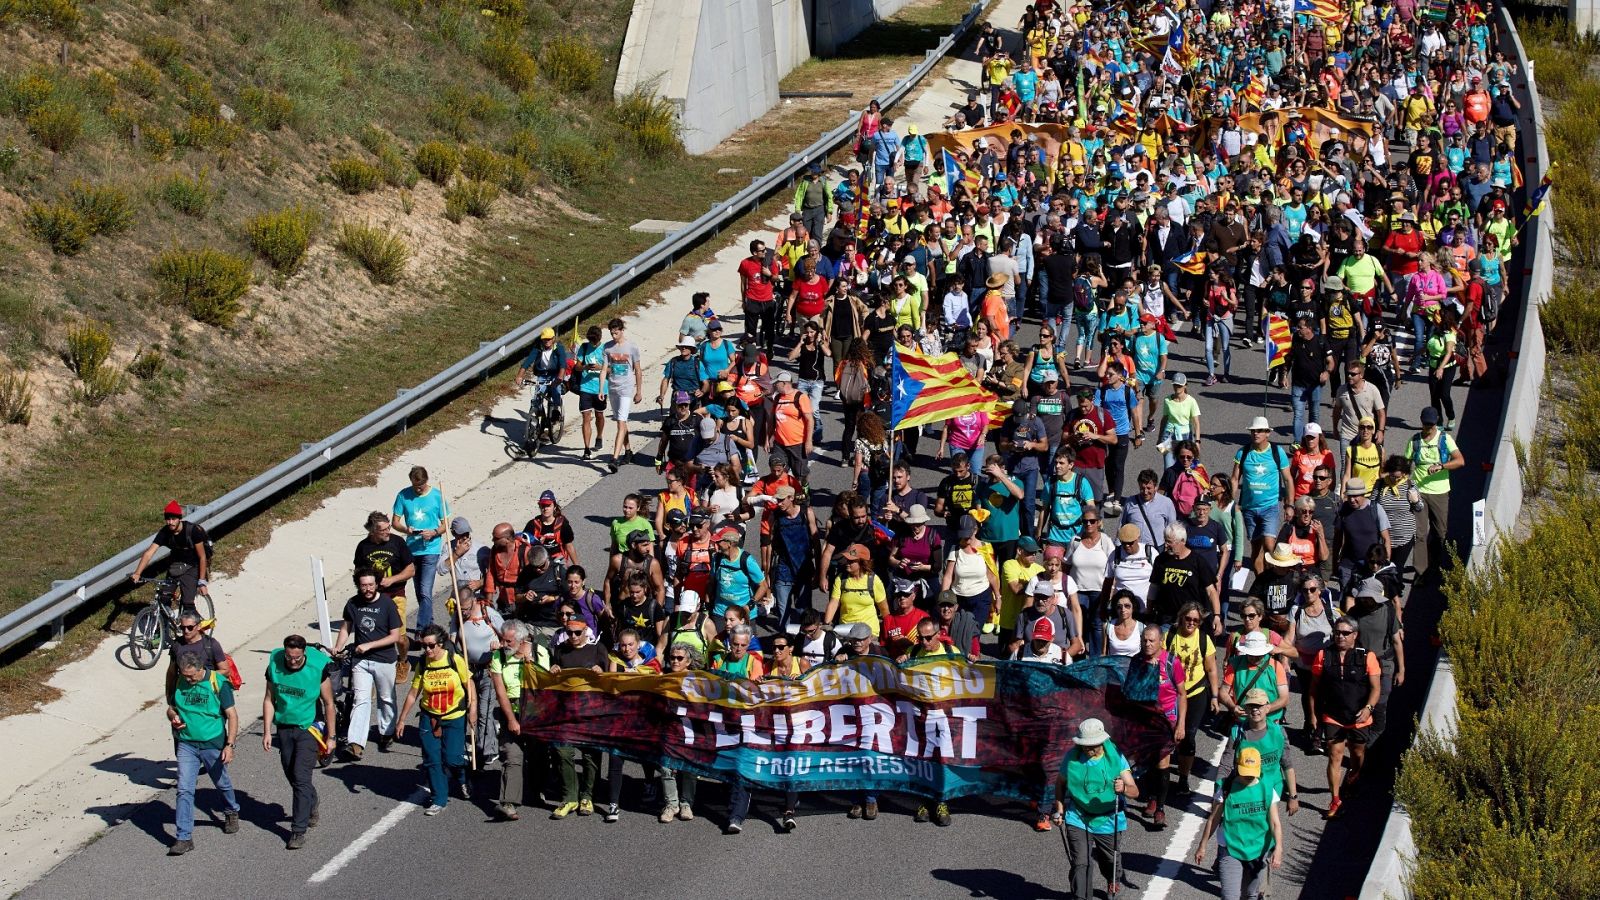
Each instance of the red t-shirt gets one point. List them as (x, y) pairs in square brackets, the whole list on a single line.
[(811, 299), (1399, 242), (1091, 454), (1303, 466), (757, 279), (899, 631)]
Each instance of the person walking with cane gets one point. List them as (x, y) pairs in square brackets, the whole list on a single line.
[(1252, 832), (1095, 780)]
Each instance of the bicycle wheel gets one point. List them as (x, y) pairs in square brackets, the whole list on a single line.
[(146, 639), (557, 424), (206, 609)]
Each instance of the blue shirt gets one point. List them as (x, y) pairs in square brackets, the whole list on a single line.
[(587, 355), (736, 581), (885, 145), (428, 511), (1260, 481), (1147, 352), (1027, 84), (715, 359), (1118, 403)]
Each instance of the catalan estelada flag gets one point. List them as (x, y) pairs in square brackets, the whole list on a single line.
[(1255, 91), (925, 389), (1324, 10), (1193, 262), (1275, 328), (1535, 204), (955, 173)]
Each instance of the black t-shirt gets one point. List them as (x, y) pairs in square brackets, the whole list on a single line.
[(385, 558), (642, 619), (552, 583), (1061, 268), (207, 648), (1308, 360), (570, 657), (1207, 540), (182, 544), (1275, 587), (1175, 581), (373, 621), (959, 495)]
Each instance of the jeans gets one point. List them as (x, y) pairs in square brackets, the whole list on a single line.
[(1116, 460), (1261, 523), (1419, 337), (813, 389), (788, 604), (1241, 879), (678, 788), (1029, 480), (372, 683), (1307, 405), (191, 759), (974, 456), (577, 785), (1219, 331), (1088, 848), (448, 751), (1088, 325), (297, 751), (979, 605), (427, 571)]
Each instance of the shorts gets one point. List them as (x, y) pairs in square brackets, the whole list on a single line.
[(1152, 389), (621, 406), (588, 402), (400, 604), (1261, 523), (1334, 733)]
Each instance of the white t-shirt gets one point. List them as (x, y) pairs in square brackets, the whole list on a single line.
[(1132, 571), (971, 574), (1086, 565)]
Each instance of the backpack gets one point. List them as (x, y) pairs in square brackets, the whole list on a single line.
[(1082, 300), (1415, 451), (1186, 490), (878, 466), (717, 564), (1277, 454), (189, 529), (1079, 483), (854, 386)]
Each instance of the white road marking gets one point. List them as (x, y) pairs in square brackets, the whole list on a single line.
[(368, 838), (1177, 853)]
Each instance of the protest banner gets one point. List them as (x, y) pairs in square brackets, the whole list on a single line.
[(943, 728)]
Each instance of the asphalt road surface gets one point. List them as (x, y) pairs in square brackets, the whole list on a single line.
[(373, 837)]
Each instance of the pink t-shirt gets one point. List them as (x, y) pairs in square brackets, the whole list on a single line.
[(967, 431)]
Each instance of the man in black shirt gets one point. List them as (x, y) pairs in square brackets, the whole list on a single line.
[(1181, 575), (1310, 362), (957, 494), (189, 563), (373, 630), (385, 553)]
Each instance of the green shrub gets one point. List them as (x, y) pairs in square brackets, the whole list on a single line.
[(105, 209), (266, 109), (9, 157), (88, 348), (374, 139), (519, 177), (190, 195), (649, 123), (573, 158), (157, 141), (504, 55), (570, 64), (282, 237), (479, 163), (61, 15), (1535, 462), (100, 387), (209, 133), (57, 125), (458, 112), (161, 49), (99, 86), (147, 363), (16, 399), (141, 78), (472, 198), (207, 282), (354, 176), (195, 93), (58, 225), (28, 92), (378, 250), (523, 145), (397, 170), (437, 161), (1570, 317)]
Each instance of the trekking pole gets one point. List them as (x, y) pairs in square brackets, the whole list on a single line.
[(1116, 847), (461, 625)]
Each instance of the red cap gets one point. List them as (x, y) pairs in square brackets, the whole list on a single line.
[(173, 509), (1044, 630)]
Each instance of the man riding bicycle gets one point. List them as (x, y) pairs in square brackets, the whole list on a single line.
[(548, 363), (189, 563)]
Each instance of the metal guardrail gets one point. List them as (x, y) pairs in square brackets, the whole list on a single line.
[(66, 596), (1397, 851)]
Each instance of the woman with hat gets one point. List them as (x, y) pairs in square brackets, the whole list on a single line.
[(1247, 818), (858, 596), (1253, 665), (1094, 780), (917, 549), (992, 307)]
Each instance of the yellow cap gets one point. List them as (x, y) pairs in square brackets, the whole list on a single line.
[(1249, 763), (547, 334)]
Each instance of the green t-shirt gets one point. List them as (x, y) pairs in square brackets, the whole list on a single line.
[(203, 706), (1091, 800), (1246, 826), (510, 669), (294, 694), (1271, 743), (1360, 273), (621, 528), (1424, 452), (1181, 413)]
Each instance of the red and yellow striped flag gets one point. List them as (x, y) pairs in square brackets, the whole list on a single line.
[(926, 389)]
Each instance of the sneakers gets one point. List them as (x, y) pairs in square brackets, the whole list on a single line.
[(611, 465), (296, 841), (788, 822), (585, 807), (609, 813), (587, 453), (385, 741), (505, 812), (734, 827), (1160, 819), (855, 812), (870, 810), (230, 825), (353, 752), (1041, 824), (668, 814), (599, 442), (941, 815), (685, 813), (1333, 808), (179, 848), (564, 810), (1210, 380), (921, 815), (1150, 808), (315, 817), (432, 810)]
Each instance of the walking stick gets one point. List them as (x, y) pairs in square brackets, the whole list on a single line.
[(1116, 848), (461, 625)]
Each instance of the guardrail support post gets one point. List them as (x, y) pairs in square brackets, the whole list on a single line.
[(58, 631)]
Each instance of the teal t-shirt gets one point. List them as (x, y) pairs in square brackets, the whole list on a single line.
[(736, 581), (295, 693), (1260, 471), (1091, 802), (203, 706), (1067, 498), (1005, 514), (1245, 824), (589, 355), (1147, 352), (429, 511)]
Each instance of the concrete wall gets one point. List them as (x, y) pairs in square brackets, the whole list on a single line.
[(1585, 14), (719, 61)]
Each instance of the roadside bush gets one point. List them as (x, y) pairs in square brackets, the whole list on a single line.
[(266, 109), (397, 170), (1581, 433), (378, 250), (519, 177), (157, 141), (458, 112), (437, 161), (163, 50), (105, 209), (207, 282), (57, 125), (209, 133), (1570, 317), (504, 55), (102, 386), (570, 64), (469, 197), (16, 399), (479, 163), (88, 348), (190, 195), (28, 92), (523, 145), (58, 225), (147, 363), (573, 158), (195, 93), (282, 237), (650, 123), (354, 176), (141, 78)]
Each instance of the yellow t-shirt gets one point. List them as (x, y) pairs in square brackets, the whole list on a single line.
[(1191, 651), (443, 687), (859, 598), (1011, 602)]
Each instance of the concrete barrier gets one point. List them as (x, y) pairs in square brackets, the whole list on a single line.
[(718, 62), (1502, 500)]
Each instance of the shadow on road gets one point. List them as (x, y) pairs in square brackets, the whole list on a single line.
[(996, 883)]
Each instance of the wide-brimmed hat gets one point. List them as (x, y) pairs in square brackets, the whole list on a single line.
[(917, 515), (1254, 644), (1283, 556), (997, 281), (1091, 733)]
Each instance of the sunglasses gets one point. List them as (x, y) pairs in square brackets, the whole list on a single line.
[(927, 637), (1320, 478), (576, 634), (1191, 620), (430, 646), (1252, 615), (679, 658), (1342, 632)]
